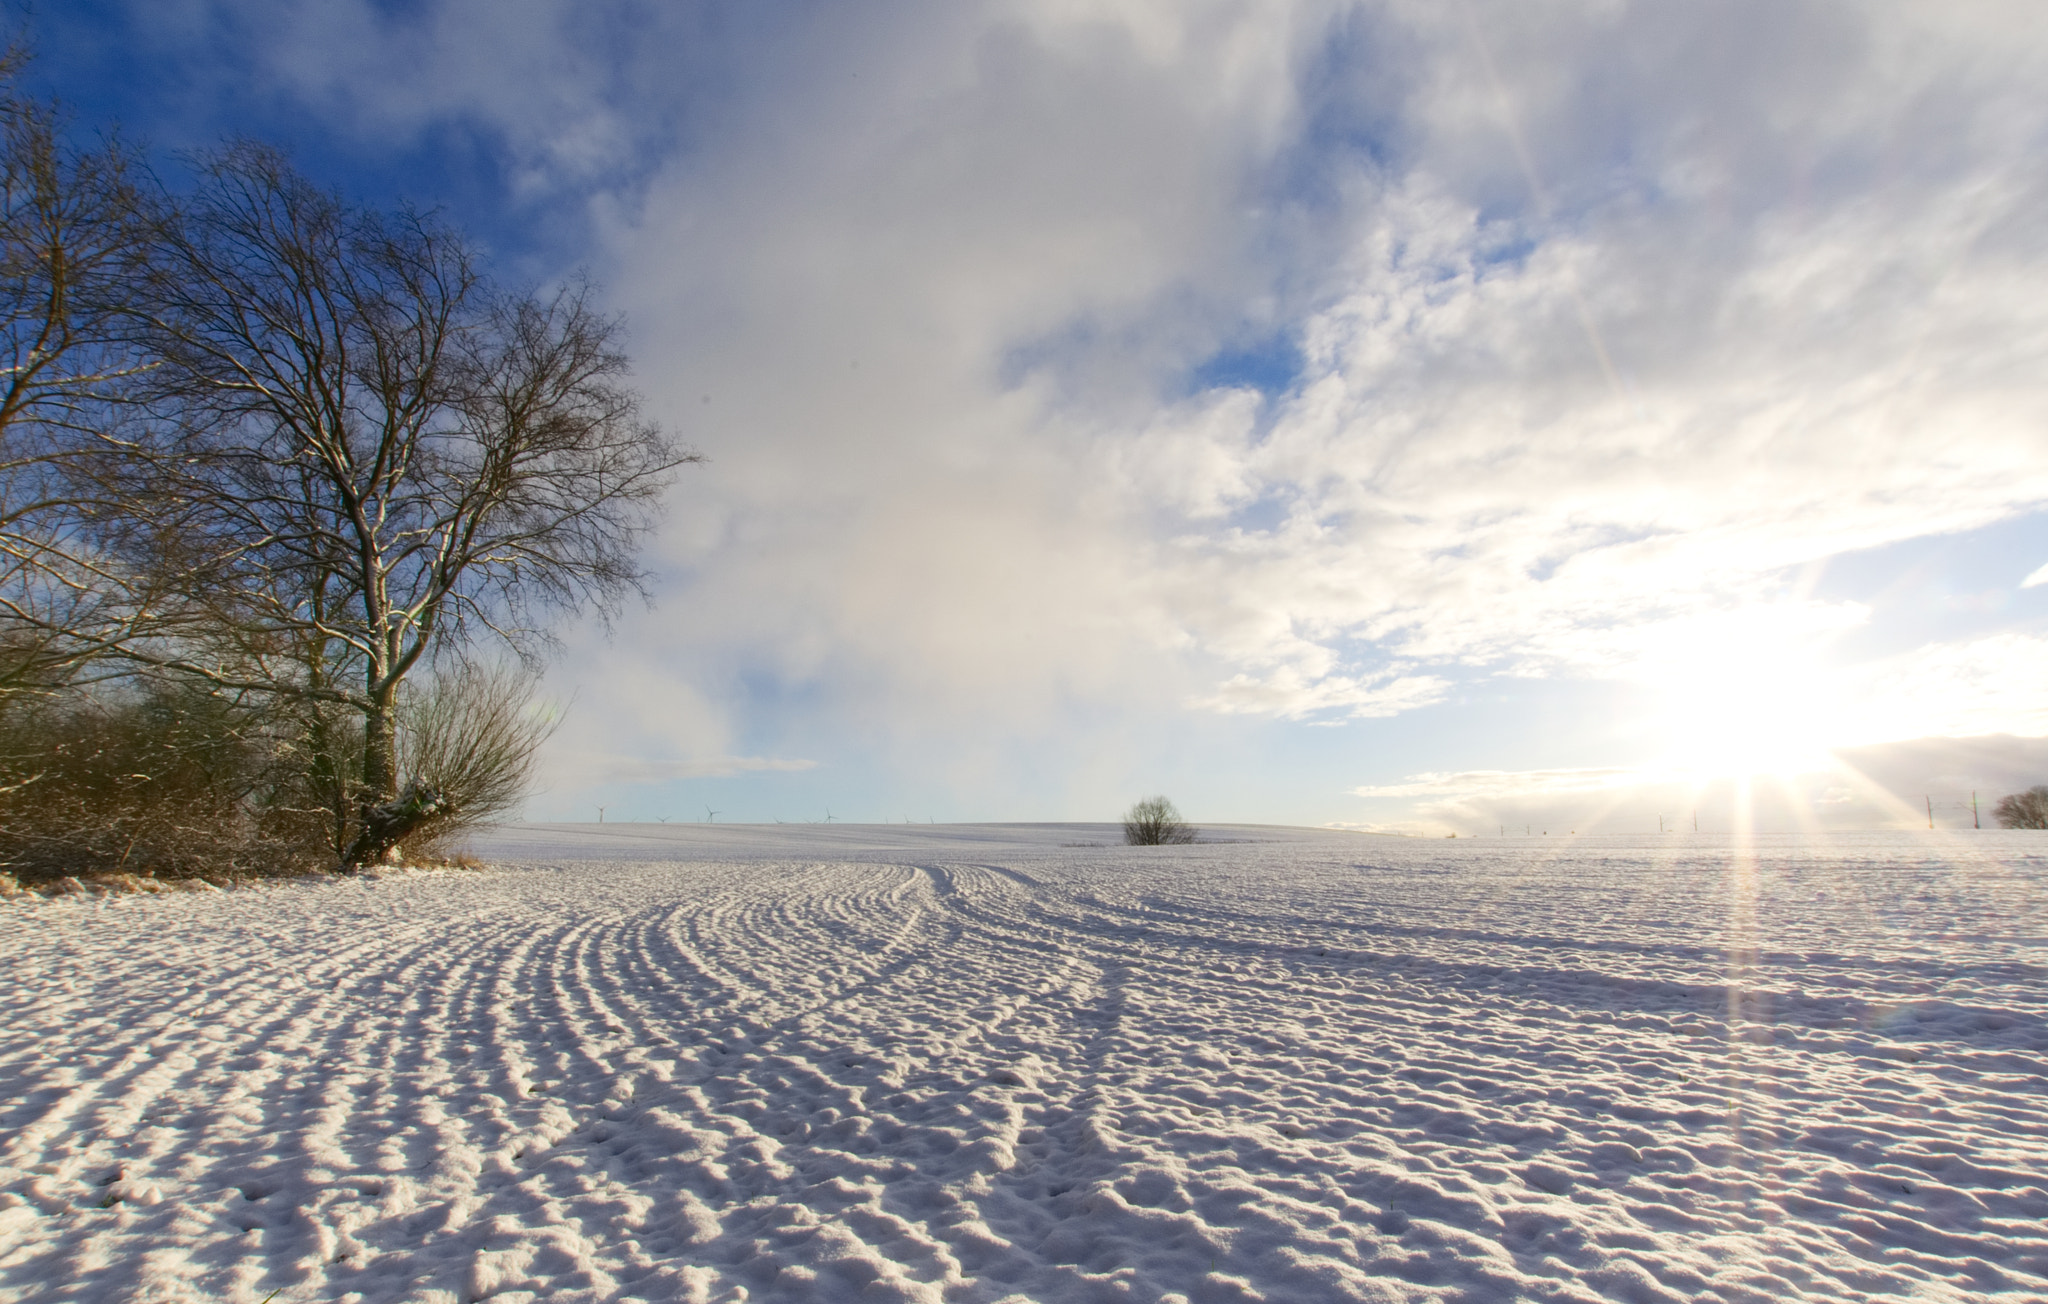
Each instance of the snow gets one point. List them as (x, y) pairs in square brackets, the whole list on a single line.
[(984, 1063)]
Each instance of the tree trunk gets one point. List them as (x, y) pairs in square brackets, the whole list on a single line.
[(380, 745), (384, 815), (328, 774), (386, 824)]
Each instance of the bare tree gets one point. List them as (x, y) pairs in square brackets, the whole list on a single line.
[(71, 246), (2023, 810), (1154, 822), (357, 456)]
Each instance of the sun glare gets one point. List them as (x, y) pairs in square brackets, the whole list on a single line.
[(1736, 706)]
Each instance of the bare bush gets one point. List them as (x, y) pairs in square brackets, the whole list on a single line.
[(472, 740), (2023, 810), (150, 778), (165, 778), (1154, 822), (468, 743)]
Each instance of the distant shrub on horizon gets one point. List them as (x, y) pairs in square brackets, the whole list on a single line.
[(1154, 822), (2024, 810)]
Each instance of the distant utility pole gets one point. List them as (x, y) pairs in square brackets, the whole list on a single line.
[(1975, 823), (1695, 821), (600, 814), (1930, 812)]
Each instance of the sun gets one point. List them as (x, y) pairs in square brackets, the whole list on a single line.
[(1733, 702), (1748, 720)]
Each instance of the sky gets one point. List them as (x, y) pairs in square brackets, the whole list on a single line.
[(1418, 417)]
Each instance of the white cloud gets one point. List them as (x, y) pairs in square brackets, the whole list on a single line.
[(1615, 315), (1460, 483), (1289, 693), (1555, 437), (1490, 495), (2035, 578), (1515, 783), (562, 89), (612, 768), (1991, 685)]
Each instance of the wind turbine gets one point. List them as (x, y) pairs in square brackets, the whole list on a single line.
[(600, 814), (710, 815), (828, 814)]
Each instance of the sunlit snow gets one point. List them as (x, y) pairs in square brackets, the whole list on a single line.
[(992, 1063)]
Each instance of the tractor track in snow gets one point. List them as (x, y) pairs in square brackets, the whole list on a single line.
[(940, 1069)]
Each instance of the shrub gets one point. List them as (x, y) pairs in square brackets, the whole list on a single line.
[(168, 779), (151, 778), (472, 740), (2024, 810), (468, 742), (1154, 822)]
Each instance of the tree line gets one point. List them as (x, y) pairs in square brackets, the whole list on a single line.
[(291, 489)]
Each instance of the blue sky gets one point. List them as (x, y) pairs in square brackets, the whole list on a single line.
[(1417, 416)]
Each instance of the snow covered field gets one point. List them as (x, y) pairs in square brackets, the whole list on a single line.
[(980, 1064)]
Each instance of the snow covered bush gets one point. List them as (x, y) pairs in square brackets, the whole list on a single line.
[(1154, 822), (2024, 810)]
